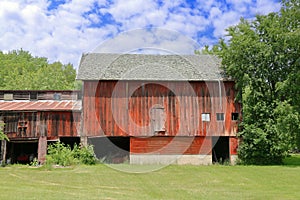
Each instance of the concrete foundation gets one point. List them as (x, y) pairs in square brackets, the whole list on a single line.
[(233, 159), (170, 159)]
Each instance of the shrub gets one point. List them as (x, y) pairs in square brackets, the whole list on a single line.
[(60, 154), (85, 154)]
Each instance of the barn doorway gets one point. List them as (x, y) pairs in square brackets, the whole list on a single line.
[(220, 151), (111, 149), (22, 152), (70, 141)]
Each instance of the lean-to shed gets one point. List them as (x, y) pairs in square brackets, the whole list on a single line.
[(34, 119)]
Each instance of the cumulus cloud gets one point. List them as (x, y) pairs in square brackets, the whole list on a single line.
[(151, 40), (63, 30)]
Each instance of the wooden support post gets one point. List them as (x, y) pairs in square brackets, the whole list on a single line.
[(3, 151), (83, 141), (42, 149)]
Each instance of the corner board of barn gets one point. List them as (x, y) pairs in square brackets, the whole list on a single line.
[(141, 109)]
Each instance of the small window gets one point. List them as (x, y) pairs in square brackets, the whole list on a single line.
[(8, 97), (33, 95), (205, 117), (57, 96), (234, 116), (220, 116)]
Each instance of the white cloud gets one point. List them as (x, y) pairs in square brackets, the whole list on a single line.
[(223, 21), (205, 5), (77, 26), (155, 40), (123, 10), (264, 7), (61, 34)]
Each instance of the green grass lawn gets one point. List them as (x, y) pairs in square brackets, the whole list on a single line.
[(172, 182)]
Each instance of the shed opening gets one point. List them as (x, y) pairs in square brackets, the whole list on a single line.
[(22, 152), (220, 151), (70, 141), (111, 149)]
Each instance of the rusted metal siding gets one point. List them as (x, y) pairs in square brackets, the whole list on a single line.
[(123, 108), (171, 145), (37, 124)]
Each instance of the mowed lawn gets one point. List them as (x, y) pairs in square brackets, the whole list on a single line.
[(171, 182)]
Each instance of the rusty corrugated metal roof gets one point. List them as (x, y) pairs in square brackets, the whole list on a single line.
[(47, 105)]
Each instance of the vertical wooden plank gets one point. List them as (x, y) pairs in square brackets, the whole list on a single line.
[(170, 119), (115, 114), (63, 124), (112, 85), (137, 118), (233, 143), (101, 111), (149, 103), (67, 124), (38, 124), (185, 114), (86, 109)]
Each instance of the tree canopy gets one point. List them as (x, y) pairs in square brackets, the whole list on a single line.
[(21, 71), (263, 57)]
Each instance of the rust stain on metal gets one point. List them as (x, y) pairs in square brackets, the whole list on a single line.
[(47, 105)]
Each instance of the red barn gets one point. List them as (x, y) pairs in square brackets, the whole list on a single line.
[(35, 118), (156, 109)]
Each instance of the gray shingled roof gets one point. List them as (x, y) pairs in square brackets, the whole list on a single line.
[(102, 66)]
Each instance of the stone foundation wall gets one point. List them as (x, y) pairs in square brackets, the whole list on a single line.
[(170, 159)]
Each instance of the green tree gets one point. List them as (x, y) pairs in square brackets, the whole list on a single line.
[(3, 136), (21, 71), (263, 57)]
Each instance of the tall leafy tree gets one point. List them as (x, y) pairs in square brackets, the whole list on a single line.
[(21, 71), (263, 57)]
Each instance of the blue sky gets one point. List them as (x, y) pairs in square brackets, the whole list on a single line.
[(62, 30)]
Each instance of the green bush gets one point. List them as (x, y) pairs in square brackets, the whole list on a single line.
[(85, 154), (63, 155)]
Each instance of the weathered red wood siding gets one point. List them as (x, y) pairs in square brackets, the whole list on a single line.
[(50, 124), (63, 124), (233, 143), (171, 145), (121, 108)]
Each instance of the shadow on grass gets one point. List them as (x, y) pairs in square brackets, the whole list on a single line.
[(293, 160)]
